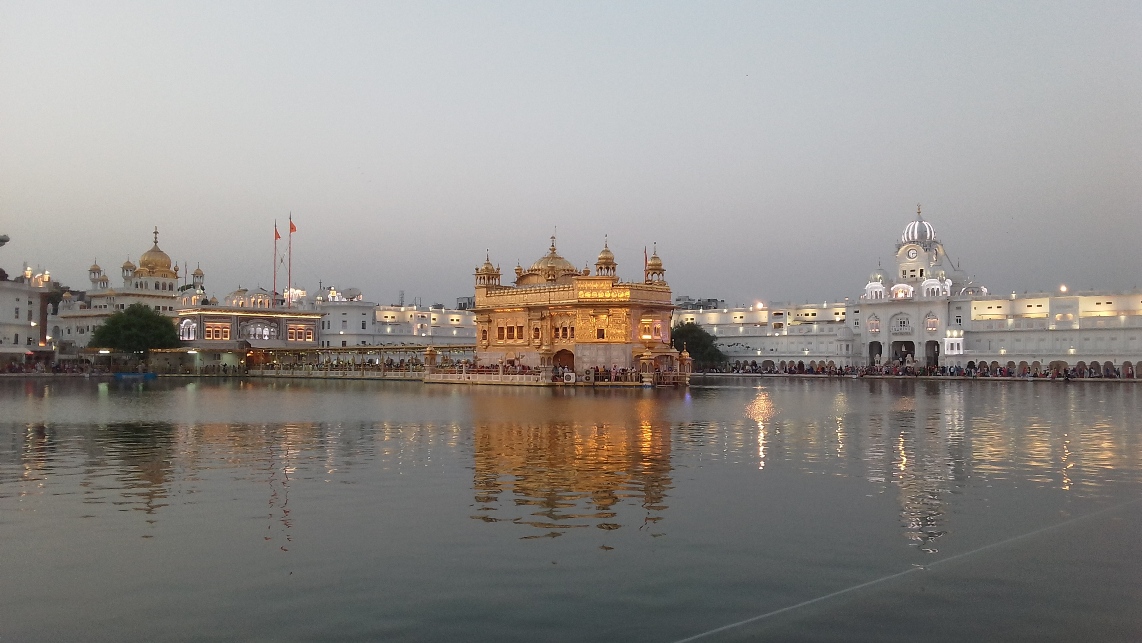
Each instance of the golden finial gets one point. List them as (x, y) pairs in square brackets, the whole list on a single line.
[(156, 235)]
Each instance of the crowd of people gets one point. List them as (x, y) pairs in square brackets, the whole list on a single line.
[(899, 369)]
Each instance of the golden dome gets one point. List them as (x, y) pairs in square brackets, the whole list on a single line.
[(606, 256), (156, 262), (197, 273), (654, 263), (95, 268), (127, 265), (553, 262)]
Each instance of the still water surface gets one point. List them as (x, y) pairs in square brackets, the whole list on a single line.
[(183, 510)]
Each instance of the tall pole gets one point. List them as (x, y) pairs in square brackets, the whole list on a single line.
[(289, 266), (276, 237)]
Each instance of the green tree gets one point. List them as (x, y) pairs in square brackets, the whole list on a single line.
[(702, 346), (136, 329)]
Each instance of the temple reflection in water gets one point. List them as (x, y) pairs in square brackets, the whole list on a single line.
[(538, 463), (556, 461)]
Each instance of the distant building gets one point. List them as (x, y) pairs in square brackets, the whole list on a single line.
[(683, 302), (558, 315), (23, 317), (925, 311), (153, 283)]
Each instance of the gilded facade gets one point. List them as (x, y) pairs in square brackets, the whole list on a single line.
[(556, 315)]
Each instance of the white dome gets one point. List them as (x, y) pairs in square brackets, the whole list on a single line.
[(918, 230)]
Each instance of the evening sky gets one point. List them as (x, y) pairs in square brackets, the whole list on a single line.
[(774, 151)]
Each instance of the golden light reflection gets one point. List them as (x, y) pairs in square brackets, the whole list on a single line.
[(536, 466), (761, 410)]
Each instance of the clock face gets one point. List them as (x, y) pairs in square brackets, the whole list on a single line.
[(912, 253)]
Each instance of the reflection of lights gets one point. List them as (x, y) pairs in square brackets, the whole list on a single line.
[(760, 446), (903, 458), (104, 351), (761, 409)]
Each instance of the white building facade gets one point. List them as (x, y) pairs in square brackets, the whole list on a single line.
[(23, 314), (348, 320), (153, 283), (924, 312)]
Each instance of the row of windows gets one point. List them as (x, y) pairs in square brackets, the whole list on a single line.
[(158, 285), (517, 332), (299, 334)]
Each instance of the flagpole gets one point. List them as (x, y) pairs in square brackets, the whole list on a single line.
[(275, 291), (289, 266)]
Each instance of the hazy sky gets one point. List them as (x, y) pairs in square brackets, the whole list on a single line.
[(773, 150)]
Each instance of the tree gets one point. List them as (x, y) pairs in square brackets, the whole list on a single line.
[(701, 345), (136, 329)]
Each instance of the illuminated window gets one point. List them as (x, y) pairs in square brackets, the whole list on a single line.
[(931, 324), (217, 331)]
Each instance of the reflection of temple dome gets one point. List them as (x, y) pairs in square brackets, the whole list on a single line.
[(66, 294)]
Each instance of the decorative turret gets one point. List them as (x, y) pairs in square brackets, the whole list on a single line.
[(487, 274), (605, 266), (94, 273), (197, 278), (654, 272)]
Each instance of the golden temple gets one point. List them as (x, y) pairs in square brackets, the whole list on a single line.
[(558, 316)]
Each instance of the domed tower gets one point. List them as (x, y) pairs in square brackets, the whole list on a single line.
[(605, 266), (549, 269), (918, 253), (197, 278), (128, 273), (654, 272), (487, 274), (95, 274), (919, 232), (155, 262)]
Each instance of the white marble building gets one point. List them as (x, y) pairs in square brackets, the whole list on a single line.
[(155, 283), (23, 313), (348, 320), (925, 311)]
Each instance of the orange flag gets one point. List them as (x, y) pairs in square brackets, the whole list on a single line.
[(276, 234), (292, 227)]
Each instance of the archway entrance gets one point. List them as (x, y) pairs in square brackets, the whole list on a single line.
[(902, 350), (875, 350), (564, 359), (932, 353)]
